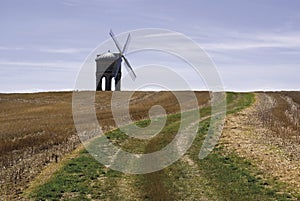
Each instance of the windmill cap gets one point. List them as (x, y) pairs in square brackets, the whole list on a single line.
[(108, 56)]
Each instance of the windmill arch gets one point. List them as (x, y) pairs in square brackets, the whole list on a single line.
[(103, 83)]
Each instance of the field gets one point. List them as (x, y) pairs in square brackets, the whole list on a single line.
[(38, 139), (38, 129)]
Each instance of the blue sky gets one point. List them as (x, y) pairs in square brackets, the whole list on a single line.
[(255, 44)]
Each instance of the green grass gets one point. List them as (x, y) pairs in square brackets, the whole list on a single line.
[(221, 176), (238, 101), (233, 177), (73, 178), (79, 180)]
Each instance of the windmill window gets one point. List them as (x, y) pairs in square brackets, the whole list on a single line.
[(113, 84), (103, 83)]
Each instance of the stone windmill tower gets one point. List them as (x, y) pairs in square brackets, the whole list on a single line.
[(109, 67)]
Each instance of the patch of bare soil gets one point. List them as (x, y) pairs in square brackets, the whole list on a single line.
[(267, 133)]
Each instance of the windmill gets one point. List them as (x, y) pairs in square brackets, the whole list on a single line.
[(109, 66)]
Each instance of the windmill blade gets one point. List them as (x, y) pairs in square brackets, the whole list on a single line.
[(129, 68), (126, 44), (111, 33)]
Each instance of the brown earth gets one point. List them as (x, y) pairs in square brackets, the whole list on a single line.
[(267, 133), (38, 129)]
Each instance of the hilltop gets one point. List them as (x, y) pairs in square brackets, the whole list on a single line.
[(37, 131)]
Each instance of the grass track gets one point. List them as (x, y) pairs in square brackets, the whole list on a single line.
[(218, 177)]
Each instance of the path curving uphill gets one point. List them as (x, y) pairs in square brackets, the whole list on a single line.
[(255, 159)]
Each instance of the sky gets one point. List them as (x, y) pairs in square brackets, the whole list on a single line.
[(254, 44)]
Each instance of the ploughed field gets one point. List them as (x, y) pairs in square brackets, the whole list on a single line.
[(37, 129), (257, 157)]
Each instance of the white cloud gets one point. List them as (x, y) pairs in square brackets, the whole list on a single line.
[(150, 35), (69, 3), (34, 90), (244, 41), (66, 50), (219, 39), (54, 64), (51, 50), (258, 77)]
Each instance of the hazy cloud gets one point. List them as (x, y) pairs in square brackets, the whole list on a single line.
[(34, 64), (253, 41), (66, 50)]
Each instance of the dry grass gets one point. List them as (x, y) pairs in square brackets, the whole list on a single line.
[(35, 129), (280, 112), (38, 129), (268, 134), (227, 176)]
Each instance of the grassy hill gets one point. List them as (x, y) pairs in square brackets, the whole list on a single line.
[(43, 159), (222, 175)]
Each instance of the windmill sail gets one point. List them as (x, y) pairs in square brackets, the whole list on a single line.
[(127, 64)]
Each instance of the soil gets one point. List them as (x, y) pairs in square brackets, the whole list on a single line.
[(252, 134), (37, 130)]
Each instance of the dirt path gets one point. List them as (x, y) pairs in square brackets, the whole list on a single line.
[(249, 136), (248, 133)]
